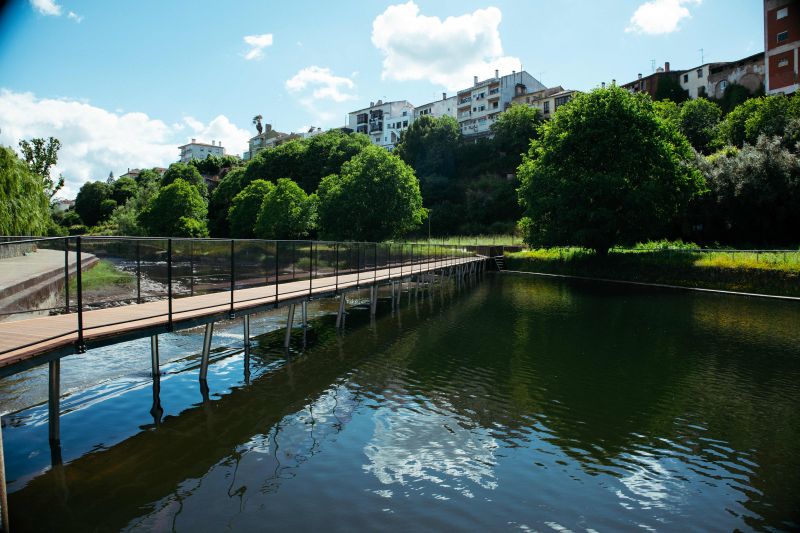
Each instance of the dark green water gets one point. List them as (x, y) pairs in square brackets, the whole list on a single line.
[(521, 403)]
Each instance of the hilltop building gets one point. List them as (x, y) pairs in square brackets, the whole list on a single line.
[(546, 100), (446, 107), (479, 106), (649, 84), (383, 121), (133, 173), (196, 150), (781, 44), (268, 138)]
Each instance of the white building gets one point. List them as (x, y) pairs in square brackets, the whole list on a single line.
[(479, 106), (711, 80), (547, 100), (438, 108), (196, 150), (382, 121)]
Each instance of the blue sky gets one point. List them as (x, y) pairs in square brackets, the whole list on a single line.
[(122, 84)]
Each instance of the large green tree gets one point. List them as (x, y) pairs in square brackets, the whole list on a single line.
[(607, 171), (375, 197), (286, 213), (513, 131), (245, 208), (187, 173), (220, 203), (698, 120), (89, 202), (178, 210), (23, 201), (41, 155), (429, 145)]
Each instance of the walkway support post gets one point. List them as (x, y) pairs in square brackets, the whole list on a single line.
[(289, 323), (169, 284), (53, 402), (246, 327), (304, 309), (373, 300), (340, 313), (206, 351), (154, 364)]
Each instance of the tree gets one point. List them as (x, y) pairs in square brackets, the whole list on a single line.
[(88, 202), (734, 95), (375, 197), (732, 129), (245, 208), (147, 176), (123, 189), (221, 199), (429, 145), (24, 206), (214, 165), (606, 171), (757, 193), (513, 131), (41, 155), (187, 173), (699, 119), (668, 111), (669, 88), (178, 210), (286, 213)]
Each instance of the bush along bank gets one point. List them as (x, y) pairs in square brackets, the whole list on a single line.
[(773, 274)]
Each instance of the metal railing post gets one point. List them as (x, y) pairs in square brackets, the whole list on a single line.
[(375, 265), (310, 268), (336, 266), (294, 258), (277, 272), (138, 272), (358, 264), (191, 268), (233, 276), (81, 346), (402, 245), (169, 284), (389, 260), (66, 274)]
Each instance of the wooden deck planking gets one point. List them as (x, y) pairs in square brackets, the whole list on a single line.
[(114, 321)]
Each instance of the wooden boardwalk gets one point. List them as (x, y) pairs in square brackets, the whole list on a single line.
[(30, 342)]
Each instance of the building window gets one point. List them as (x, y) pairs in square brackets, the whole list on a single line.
[(782, 13), (405, 123), (783, 63), (685, 78), (783, 36), (405, 113), (699, 73), (547, 107), (495, 105)]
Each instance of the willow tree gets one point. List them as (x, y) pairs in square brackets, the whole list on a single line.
[(24, 204)]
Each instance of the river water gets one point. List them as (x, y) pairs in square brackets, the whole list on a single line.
[(519, 403)]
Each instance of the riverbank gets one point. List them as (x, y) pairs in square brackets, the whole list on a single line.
[(667, 267)]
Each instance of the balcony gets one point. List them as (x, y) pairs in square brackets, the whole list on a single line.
[(494, 91), (375, 126), (465, 100), (361, 119)]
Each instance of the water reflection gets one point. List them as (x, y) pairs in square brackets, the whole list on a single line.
[(522, 402)]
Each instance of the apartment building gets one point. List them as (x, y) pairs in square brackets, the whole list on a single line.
[(269, 138), (479, 106), (781, 44), (199, 150), (649, 84), (383, 122), (546, 100), (711, 80), (446, 107)]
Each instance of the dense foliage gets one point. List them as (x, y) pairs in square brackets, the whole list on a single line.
[(41, 155), (375, 197), (23, 200), (245, 208), (286, 213), (606, 171), (178, 210), (187, 173)]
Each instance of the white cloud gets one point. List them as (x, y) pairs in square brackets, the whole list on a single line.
[(317, 86), (447, 52), (660, 16), (74, 16), (47, 7), (95, 141), (257, 44)]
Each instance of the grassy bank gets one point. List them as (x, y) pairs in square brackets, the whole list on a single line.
[(766, 273), (102, 276)]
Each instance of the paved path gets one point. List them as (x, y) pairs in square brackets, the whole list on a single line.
[(24, 340), (18, 270)]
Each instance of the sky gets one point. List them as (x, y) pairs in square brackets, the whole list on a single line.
[(123, 84)]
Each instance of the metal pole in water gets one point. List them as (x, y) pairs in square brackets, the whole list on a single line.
[(155, 411), (372, 300), (154, 356), (289, 324), (246, 332), (206, 351), (340, 313), (54, 411), (304, 309)]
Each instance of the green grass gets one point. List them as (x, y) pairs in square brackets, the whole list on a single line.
[(762, 272), (102, 276), (474, 240)]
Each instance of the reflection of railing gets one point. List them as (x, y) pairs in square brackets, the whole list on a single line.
[(139, 270)]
